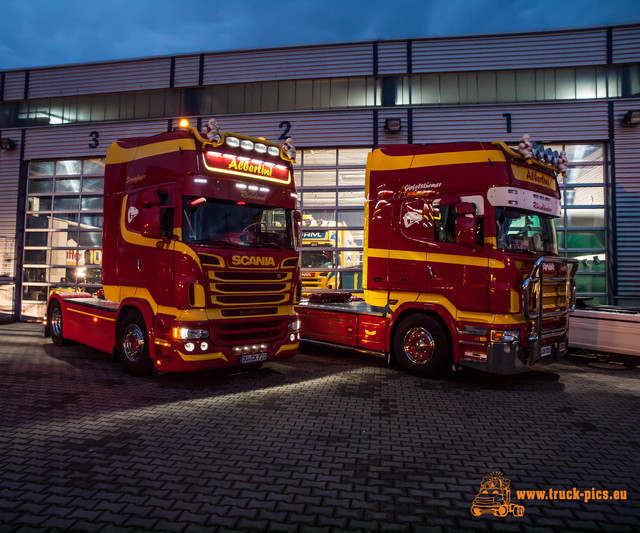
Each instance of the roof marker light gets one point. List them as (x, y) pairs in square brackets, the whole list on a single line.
[(183, 123)]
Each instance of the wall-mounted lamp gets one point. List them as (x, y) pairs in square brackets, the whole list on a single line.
[(631, 117), (7, 144), (392, 125)]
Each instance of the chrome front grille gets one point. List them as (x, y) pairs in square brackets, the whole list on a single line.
[(249, 289)]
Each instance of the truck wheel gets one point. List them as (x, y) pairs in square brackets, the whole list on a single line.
[(54, 319), (421, 346), (133, 344)]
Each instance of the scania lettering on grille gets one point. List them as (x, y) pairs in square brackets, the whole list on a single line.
[(253, 260)]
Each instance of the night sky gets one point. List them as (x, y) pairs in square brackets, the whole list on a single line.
[(36, 33)]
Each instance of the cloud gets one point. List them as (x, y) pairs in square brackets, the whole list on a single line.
[(40, 32)]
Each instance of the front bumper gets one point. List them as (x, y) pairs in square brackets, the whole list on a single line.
[(508, 358)]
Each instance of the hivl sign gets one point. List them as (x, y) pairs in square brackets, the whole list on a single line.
[(247, 167)]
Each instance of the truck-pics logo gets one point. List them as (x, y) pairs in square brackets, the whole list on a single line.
[(494, 497)]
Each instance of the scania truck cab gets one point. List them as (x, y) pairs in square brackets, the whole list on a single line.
[(461, 263), (200, 255)]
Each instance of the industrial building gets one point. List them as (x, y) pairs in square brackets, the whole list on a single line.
[(577, 90)]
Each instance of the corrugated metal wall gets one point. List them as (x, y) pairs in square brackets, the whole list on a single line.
[(9, 181), (318, 129), (100, 78), (290, 63), (187, 71), (74, 141), (393, 138), (14, 85), (9, 178), (627, 205), (626, 44), (562, 121), (392, 57), (539, 50)]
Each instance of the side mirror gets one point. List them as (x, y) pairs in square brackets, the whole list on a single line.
[(151, 222), (297, 227), (465, 224), (465, 208)]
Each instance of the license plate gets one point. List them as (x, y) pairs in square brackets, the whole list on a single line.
[(253, 358), (546, 350)]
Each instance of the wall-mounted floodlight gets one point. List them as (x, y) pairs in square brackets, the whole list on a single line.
[(631, 117), (7, 144), (392, 125)]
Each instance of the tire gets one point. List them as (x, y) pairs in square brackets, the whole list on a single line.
[(421, 346), (475, 511), (54, 323), (132, 343)]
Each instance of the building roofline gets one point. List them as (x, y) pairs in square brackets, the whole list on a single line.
[(324, 45)]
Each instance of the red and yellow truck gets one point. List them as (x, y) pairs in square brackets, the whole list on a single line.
[(325, 246), (461, 263), (200, 264)]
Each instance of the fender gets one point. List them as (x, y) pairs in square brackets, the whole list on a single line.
[(147, 314), (407, 307)]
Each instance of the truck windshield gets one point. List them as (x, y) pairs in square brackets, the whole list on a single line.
[(525, 231), (317, 259), (217, 222)]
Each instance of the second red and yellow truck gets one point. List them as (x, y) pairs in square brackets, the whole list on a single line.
[(461, 262)]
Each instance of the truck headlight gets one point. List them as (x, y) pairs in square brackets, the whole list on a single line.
[(508, 335), (294, 325), (190, 333)]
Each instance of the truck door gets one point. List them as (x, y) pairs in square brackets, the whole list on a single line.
[(458, 271), (409, 241), (151, 261)]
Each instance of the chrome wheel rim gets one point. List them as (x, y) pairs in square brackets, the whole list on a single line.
[(133, 343), (419, 345), (56, 321)]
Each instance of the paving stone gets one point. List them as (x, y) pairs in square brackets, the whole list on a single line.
[(328, 441)]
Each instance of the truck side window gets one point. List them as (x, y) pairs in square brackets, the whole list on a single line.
[(166, 216), (444, 223)]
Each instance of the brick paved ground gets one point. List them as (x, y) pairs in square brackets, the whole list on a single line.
[(328, 441)]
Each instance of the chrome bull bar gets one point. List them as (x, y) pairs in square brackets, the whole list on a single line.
[(563, 301)]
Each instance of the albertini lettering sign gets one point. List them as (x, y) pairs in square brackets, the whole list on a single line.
[(247, 167), (531, 175)]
